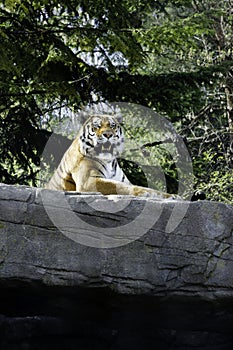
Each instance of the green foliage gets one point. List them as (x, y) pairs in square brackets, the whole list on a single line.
[(46, 64), (213, 178), (174, 56)]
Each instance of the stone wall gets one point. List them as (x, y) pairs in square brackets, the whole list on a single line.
[(82, 271), (195, 259)]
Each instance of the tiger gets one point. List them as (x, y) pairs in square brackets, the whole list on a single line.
[(90, 164)]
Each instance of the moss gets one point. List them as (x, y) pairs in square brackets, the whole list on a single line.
[(1, 225)]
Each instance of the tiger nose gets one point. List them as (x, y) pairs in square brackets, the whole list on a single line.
[(108, 134)]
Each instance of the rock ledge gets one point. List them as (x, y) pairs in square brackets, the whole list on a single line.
[(94, 248)]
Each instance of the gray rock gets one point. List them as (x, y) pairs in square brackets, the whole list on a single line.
[(136, 246)]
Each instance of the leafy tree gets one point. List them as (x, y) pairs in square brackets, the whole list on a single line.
[(193, 41), (174, 56), (48, 54)]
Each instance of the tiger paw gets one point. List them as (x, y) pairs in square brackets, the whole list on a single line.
[(149, 192)]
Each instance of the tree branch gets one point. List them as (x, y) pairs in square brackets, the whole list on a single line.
[(151, 144)]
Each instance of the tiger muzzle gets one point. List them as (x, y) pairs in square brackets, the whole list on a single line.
[(107, 134)]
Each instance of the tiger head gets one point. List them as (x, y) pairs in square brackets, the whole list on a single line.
[(101, 137)]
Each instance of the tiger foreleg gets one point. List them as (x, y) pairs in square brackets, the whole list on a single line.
[(108, 187)]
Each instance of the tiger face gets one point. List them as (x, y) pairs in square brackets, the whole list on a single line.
[(102, 138)]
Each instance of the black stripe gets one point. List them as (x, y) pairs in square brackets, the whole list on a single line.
[(88, 144), (114, 165), (60, 171), (90, 136), (104, 166), (101, 172), (70, 181), (89, 131)]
